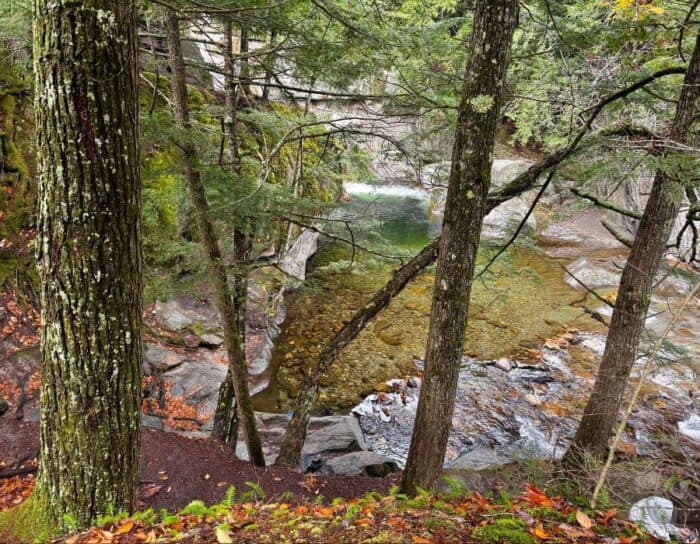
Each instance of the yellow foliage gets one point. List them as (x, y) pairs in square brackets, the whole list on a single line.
[(637, 10)]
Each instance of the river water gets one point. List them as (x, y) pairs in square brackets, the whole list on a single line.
[(531, 348)]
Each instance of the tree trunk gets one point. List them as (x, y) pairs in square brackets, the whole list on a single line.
[(635, 290), (470, 177), (233, 335), (89, 258), (226, 416), (295, 434)]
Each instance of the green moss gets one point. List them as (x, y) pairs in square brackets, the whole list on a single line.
[(505, 530), (31, 521)]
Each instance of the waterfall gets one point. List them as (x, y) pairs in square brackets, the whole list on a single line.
[(392, 189)]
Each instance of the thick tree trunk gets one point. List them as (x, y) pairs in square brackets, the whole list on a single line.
[(89, 258), (295, 435), (233, 335), (470, 177), (635, 290)]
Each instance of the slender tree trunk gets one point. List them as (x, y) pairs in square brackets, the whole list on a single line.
[(233, 335), (470, 178), (89, 258), (295, 434), (635, 290), (226, 416)]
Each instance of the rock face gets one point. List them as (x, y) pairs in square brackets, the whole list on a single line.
[(502, 221), (365, 463)]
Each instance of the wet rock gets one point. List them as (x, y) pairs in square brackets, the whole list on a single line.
[(594, 273), (480, 458), (359, 463), (504, 364), (4, 406), (157, 358)]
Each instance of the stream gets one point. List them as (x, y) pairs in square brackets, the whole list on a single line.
[(531, 348)]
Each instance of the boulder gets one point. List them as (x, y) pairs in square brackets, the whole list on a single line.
[(171, 316), (365, 463), (654, 514), (345, 435), (198, 382), (157, 358), (211, 340), (480, 458)]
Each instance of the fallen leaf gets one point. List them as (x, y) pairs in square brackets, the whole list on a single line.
[(420, 540), (536, 497), (539, 532), (583, 520), (324, 512), (223, 536), (125, 527)]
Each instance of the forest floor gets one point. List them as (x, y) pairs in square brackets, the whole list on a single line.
[(181, 476), (176, 471)]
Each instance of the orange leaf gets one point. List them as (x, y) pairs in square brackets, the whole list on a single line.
[(583, 520), (125, 527), (539, 532), (627, 539), (606, 516), (324, 512), (537, 497), (420, 540)]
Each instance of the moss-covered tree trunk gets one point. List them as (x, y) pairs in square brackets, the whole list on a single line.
[(637, 282), (470, 178), (89, 257), (233, 334)]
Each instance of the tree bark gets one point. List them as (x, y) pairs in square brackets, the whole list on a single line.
[(470, 178), (226, 416), (635, 290), (89, 258), (290, 452), (233, 335)]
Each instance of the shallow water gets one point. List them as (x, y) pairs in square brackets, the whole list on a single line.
[(521, 301)]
